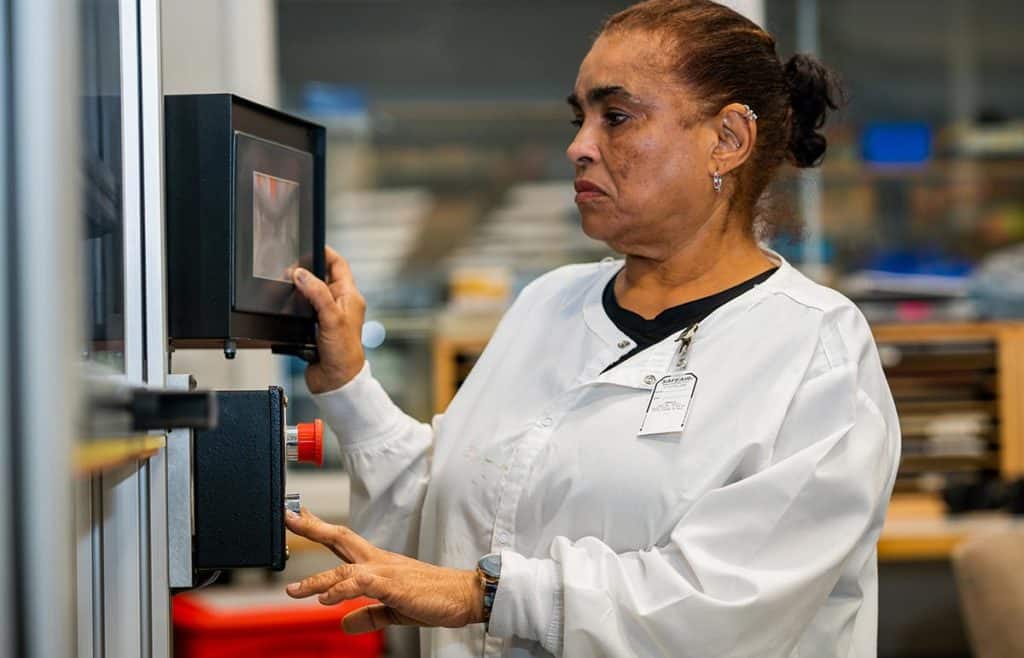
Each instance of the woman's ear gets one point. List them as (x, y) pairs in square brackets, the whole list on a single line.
[(736, 128)]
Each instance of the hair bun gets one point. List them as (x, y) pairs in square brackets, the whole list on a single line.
[(813, 92)]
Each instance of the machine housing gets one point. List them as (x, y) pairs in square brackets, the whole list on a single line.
[(244, 204), (238, 475)]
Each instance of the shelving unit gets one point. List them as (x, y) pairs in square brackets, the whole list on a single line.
[(959, 389)]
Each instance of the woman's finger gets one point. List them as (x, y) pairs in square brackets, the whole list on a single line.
[(308, 525), (338, 270), (341, 282), (319, 583), (311, 527), (375, 617), (345, 543), (338, 289), (361, 583), (341, 310), (319, 295)]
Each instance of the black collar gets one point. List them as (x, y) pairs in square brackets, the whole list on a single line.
[(646, 332)]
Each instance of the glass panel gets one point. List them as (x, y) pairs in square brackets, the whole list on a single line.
[(103, 249)]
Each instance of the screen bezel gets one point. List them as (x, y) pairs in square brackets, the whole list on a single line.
[(254, 294)]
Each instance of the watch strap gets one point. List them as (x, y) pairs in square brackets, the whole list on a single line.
[(488, 568)]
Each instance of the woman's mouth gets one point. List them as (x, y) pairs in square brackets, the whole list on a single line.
[(587, 191)]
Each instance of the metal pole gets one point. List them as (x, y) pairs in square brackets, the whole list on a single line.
[(811, 184), (9, 622), (124, 551), (156, 628), (43, 274)]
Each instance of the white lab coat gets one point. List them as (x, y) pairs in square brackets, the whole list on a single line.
[(750, 533)]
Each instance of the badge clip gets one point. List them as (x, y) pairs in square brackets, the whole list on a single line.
[(684, 340)]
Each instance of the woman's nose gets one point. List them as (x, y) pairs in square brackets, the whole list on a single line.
[(583, 150)]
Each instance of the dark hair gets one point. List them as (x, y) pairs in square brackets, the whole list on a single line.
[(726, 58)]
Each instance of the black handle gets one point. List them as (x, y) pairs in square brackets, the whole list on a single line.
[(308, 353)]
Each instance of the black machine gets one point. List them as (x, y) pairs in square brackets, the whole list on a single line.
[(244, 205), (238, 484)]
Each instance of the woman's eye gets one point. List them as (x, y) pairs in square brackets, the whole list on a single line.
[(615, 118), (611, 118)]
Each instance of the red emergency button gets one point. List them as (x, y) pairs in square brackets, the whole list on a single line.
[(311, 442)]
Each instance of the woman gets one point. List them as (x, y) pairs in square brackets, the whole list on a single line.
[(688, 454)]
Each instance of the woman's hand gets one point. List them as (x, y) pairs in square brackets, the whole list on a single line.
[(340, 310), (410, 592)]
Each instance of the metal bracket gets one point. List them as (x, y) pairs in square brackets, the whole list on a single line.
[(180, 518)]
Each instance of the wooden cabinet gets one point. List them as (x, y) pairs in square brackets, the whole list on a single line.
[(454, 357), (959, 389), (955, 382)]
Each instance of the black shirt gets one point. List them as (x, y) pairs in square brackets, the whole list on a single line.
[(646, 332)]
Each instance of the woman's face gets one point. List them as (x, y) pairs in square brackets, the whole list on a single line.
[(643, 161)]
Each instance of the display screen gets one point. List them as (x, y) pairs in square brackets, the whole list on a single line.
[(274, 225), (275, 231)]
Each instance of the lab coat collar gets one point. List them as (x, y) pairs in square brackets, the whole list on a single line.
[(593, 309), (656, 358)]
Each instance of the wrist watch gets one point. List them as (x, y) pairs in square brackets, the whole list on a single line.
[(488, 568)]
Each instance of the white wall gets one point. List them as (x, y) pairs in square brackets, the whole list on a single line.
[(752, 9), (221, 46)]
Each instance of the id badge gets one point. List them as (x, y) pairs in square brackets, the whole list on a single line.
[(669, 404)]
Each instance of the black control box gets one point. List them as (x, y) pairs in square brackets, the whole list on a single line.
[(238, 475), (245, 188)]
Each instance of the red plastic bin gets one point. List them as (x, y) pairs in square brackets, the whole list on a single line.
[(304, 629)]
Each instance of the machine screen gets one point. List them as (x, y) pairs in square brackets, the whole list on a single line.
[(273, 225), (275, 235)]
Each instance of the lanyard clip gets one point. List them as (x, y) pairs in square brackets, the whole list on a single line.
[(684, 340)]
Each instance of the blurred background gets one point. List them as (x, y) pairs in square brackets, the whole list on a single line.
[(448, 190)]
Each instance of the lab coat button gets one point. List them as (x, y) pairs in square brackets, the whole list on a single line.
[(650, 379), (546, 422), (624, 344), (503, 538)]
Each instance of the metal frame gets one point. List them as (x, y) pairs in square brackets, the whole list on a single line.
[(88, 569), (157, 633), (811, 182), (124, 604), (131, 132), (8, 610), (107, 545), (152, 104), (42, 308), (180, 516), (117, 541)]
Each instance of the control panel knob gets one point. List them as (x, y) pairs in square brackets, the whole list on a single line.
[(304, 443), (293, 502)]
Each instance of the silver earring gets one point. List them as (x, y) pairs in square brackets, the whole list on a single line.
[(750, 114), (716, 182)]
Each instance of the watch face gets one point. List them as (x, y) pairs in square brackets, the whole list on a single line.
[(491, 564)]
